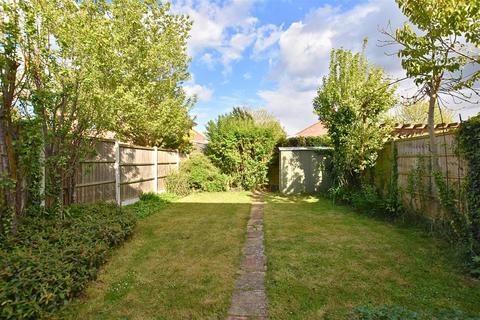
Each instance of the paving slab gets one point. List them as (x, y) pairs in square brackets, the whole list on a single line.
[(249, 299)]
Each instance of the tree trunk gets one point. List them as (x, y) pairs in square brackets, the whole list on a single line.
[(4, 174), (8, 169), (431, 132)]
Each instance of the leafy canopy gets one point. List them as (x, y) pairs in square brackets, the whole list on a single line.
[(447, 39), (418, 113), (351, 102), (242, 144)]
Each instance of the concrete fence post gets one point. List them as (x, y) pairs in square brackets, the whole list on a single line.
[(117, 174), (155, 169), (178, 159)]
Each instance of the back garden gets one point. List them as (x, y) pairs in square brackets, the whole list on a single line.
[(219, 241)]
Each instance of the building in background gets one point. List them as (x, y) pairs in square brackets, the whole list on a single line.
[(199, 141), (315, 130)]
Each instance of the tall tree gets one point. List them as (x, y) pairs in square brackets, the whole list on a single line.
[(13, 81), (352, 102), (80, 68), (433, 56)]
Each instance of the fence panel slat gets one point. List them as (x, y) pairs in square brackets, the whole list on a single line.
[(140, 169)]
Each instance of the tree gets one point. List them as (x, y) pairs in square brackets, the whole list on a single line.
[(242, 146), (433, 56), (418, 113), (76, 69), (352, 102), (147, 64)]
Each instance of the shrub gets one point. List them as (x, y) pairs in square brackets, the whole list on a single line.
[(367, 199), (320, 141), (51, 260), (469, 147), (197, 173), (150, 203), (177, 183), (242, 144), (203, 175)]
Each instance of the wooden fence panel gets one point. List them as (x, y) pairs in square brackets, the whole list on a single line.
[(96, 177), (415, 179)]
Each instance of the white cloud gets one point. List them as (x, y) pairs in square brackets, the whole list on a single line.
[(202, 93), (291, 106), (267, 36), (208, 59), (227, 28), (304, 54)]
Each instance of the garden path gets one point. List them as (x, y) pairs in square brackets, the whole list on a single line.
[(249, 300)]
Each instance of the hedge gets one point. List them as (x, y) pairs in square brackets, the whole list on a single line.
[(51, 259)]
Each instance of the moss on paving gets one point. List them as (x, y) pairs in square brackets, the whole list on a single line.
[(324, 260), (180, 264)]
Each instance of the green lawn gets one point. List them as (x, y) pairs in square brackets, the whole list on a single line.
[(324, 260), (180, 264)]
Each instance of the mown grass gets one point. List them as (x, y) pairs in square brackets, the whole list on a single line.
[(325, 260), (180, 264)]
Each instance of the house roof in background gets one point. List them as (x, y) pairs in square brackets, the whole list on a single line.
[(315, 130), (199, 137)]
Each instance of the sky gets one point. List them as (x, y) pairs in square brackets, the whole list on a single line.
[(272, 54)]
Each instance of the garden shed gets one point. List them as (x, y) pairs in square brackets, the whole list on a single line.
[(303, 169)]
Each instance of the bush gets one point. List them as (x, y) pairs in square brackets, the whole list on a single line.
[(177, 183), (365, 199), (203, 175), (150, 203), (368, 200), (242, 144), (51, 260), (321, 141), (197, 174)]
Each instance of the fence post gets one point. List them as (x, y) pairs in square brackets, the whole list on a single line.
[(155, 169), (117, 173), (178, 159)]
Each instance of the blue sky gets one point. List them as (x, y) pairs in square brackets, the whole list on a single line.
[(273, 54)]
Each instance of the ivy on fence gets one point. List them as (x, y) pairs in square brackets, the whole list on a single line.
[(469, 146)]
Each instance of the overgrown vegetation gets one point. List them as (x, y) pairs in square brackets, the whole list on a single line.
[(51, 260), (150, 203), (351, 103), (71, 71), (320, 141), (197, 174), (469, 145), (242, 145)]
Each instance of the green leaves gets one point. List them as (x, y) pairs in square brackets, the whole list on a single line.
[(242, 145), (52, 259), (351, 103), (439, 44)]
